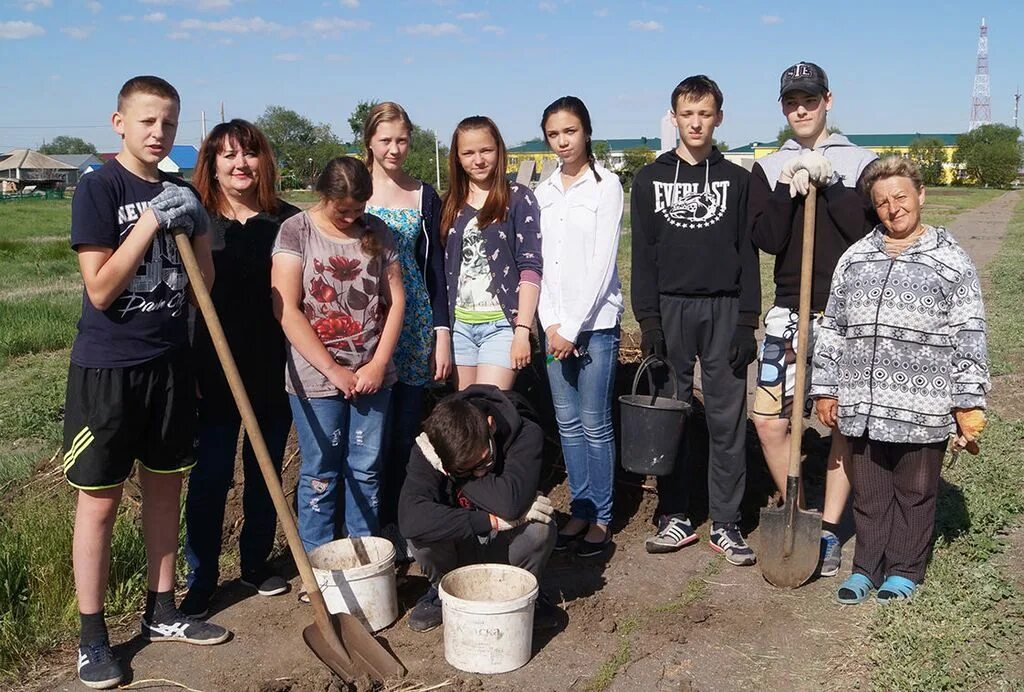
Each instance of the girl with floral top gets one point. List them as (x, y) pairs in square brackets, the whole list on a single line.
[(580, 307), (491, 231), (339, 296), (411, 209)]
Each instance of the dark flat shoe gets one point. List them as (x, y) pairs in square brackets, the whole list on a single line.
[(587, 548), (566, 539)]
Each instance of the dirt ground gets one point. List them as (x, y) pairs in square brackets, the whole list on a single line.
[(682, 621)]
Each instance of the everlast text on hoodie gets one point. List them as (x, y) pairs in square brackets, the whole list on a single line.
[(690, 235), (843, 216)]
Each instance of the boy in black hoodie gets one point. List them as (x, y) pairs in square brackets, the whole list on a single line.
[(470, 494), (779, 184), (696, 293)]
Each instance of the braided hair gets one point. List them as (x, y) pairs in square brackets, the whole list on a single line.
[(574, 105)]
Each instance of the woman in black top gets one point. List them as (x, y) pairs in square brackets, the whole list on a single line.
[(235, 176)]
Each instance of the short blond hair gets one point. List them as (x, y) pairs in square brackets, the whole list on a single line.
[(890, 167)]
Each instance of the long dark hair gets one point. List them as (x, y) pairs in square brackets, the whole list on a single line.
[(574, 105), (346, 177), (249, 138), (495, 209)]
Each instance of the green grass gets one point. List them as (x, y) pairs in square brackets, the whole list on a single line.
[(944, 203), (38, 323), (966, 622), (31, 219)]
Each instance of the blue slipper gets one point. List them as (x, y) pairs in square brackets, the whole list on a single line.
[(895, 589), (854, 590)]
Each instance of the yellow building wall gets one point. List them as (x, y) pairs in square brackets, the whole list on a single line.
[(949, 169), (538, 159)]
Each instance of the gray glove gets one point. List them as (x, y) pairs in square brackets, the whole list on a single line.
[(809, 167), (541, 511), (177, 207)]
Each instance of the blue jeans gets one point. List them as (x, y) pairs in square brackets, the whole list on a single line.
[(339, 439), (403, 424), (581, 390), (208, 490)]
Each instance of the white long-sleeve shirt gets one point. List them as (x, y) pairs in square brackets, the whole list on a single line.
[(580, 228)]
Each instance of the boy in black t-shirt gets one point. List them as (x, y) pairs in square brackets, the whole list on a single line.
[(130, 392)]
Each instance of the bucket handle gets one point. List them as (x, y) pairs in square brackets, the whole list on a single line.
[(645, 367)]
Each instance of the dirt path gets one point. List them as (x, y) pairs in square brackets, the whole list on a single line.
[(672, 622)]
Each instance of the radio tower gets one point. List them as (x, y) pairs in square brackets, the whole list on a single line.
[(1016, 106), (981, 101)]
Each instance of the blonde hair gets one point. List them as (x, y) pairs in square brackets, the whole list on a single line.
[(384, 112), (890, 167)]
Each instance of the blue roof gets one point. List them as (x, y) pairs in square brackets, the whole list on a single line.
[(184, 155)]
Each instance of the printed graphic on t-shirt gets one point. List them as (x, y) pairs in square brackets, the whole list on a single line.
[(161, 268), (475, 274), (343, 303), (691, 205)]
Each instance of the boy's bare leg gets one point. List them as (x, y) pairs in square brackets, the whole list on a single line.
[(837, 482), (774, 436), (90, 552), (161, 511)]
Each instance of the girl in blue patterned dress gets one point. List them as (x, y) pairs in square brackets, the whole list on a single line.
[(411, 209)]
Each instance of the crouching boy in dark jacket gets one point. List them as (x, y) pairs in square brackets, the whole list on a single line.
[(470, 494)]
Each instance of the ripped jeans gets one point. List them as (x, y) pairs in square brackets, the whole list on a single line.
[(339, 441)]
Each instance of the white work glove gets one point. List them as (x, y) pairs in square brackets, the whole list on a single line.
[(541, 511), (809, 167), (177, 207)]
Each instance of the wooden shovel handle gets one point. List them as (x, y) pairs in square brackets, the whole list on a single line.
[(796, 421), (259, 446)]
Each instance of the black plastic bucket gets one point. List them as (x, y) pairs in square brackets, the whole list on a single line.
[(652, 425)]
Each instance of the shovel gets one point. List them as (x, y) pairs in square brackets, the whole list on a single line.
[(790, 536), (339, 640)]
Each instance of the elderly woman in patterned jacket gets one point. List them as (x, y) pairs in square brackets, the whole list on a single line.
[(900, 365)]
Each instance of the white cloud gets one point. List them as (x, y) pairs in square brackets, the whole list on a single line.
[(79, 33), (94, 6), (445, 28), (154, 17), (492, 29), (179, 36), (603, 12), (213, 4), (351, 4), (471, 16), (645, 26), (235, 25), (335, 25), (546, 6), (32, 5), (771, 19), (156, 2), (288, 57), (14, 30)]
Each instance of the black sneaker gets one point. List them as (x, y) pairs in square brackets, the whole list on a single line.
[(727, 540), (97, 667), (546, 615), (196, 603), (265, 582), (426, 614), (178, 627)]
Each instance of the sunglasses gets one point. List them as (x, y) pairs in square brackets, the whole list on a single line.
[(484, 466)]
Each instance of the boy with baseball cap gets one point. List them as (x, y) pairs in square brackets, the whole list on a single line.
[(779, 184)]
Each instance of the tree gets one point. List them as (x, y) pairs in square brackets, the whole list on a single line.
[(67, 145), (420, 162), (601, 151), (990, 154), (786, 133), (929, 154), (302, 148), (722, 146), (632, 161)]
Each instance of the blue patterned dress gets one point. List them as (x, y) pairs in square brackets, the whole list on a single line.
[(412, 354)]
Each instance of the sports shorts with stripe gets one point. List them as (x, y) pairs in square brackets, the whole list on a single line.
[(776, 363), (115, 416)]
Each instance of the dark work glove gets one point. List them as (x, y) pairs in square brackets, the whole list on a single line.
[(652, 342), (743, 348)]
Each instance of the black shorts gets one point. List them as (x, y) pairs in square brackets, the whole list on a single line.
[(113, 416)]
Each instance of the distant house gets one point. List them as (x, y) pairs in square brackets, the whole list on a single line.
[(85, 163), (181, 161), (537, 151), (22, 167)]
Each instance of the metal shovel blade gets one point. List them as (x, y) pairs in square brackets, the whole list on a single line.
[(365, 658), (789, 568)]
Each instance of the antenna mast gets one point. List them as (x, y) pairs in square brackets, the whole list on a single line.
[(981, 100)]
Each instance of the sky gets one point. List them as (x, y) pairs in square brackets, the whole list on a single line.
[(894, 67)]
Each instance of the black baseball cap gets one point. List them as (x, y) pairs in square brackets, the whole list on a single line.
[(804, 76)]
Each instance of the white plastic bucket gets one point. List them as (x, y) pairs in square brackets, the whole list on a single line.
[(488, 617), (357, 576)]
